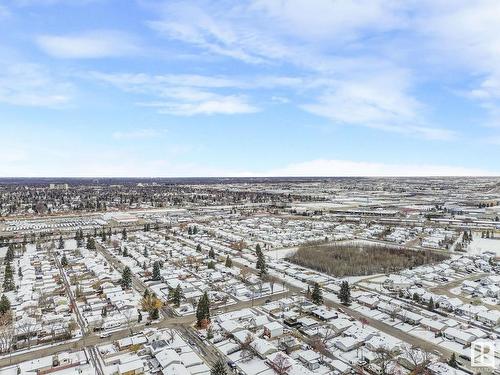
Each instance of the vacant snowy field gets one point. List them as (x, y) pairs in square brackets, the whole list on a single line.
[(480, 245)]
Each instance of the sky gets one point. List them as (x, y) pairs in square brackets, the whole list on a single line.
[(249, 88)]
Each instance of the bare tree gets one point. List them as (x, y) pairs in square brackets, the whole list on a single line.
[(418, 358), (319, 345), (6, 335), (280, 364), (247, 352), (245, 275), (130, 318), (384, 359), (27, 328)]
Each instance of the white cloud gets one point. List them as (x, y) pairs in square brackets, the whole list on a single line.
[(29, 84), (338, 49), (218, 105), (464, 36), (138, 134), (380, 102), (332, 20), (347, 168), (90, 45), (183, 95)]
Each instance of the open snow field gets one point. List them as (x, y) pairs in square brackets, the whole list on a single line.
[(480, 245)]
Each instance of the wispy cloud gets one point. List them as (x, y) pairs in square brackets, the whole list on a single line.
[(353, 82), (212, 105), (28, 84), (89, 45), (381, 102), (183, 95)]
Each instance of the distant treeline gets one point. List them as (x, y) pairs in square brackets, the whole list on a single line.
[(357, 259)]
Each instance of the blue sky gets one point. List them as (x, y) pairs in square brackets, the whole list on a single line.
[(249, 88)]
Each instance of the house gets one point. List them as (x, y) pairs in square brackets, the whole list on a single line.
[(230, 326), (340, 325), (340, 367), (458, 335), (273, 329), (450, 304), (346, 344), (368, 301), (131, 368), (409, 317), (397, 282), (490, 318), (433, 325), (263, 347), (310, 359), (167, 358), (324, 313)]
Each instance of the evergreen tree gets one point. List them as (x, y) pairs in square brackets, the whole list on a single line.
[(177, 295), (125, 252), (79, 238), (219, 368), (64, 260), (211, 253), (195, 229), (8, 279), (145, 253), (139, 317), (317, 294), (4, 305), (198, 248), (203, 310), (345, 293), (211, 265), (452, 362), (229, 262), (9, 255), (104, 235), (156, 271), (261, 264), (155, 314), (430, 305), (124, 234), (190, 231), (258, 250), (61, 243), (126, 280), (91, 243)]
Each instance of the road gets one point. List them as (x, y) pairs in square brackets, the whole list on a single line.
[(381, 326), (446, 290), (185, 324)]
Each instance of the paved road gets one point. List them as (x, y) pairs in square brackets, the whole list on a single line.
[(181, 323), (381, 326), (446, 289), (185, 325)]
